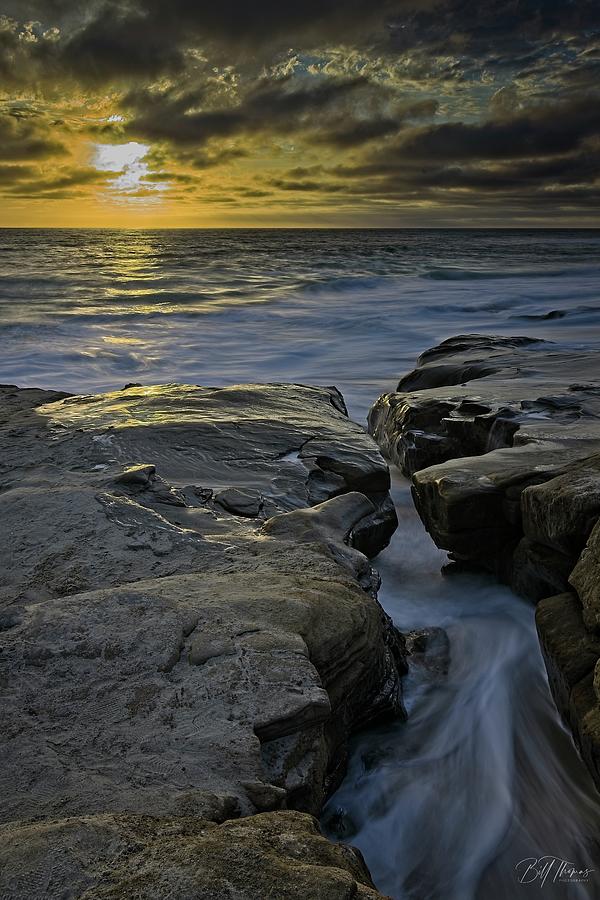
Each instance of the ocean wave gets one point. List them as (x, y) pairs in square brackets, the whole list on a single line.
[(351, 309), (344, 284), (578, 311), (451, 273)]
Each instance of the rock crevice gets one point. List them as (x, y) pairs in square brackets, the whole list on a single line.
[(501, 437)]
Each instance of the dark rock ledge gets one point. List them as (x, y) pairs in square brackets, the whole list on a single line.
[(501, 436), (189, 632)]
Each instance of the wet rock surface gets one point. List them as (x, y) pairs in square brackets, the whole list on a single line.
[(571, 652), (494, 432), (187, 625), (88, 480), (502, 439)]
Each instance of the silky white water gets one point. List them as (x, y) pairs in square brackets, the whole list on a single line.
[(483, 775)]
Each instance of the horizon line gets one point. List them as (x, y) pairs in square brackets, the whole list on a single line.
[(301, 228)]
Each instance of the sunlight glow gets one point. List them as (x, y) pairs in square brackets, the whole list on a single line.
[(128, 163)]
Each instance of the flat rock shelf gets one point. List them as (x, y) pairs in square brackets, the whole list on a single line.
[(189, 632)]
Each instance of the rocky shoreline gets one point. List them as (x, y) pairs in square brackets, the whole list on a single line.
[(189, 625), (190, 633), (501, 437)]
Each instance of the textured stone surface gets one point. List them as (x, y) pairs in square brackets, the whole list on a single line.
[(494, 431), (585, 578), (167, 693), (502, 439), (274, 855), (85, 509), (476, 393), (561, 512), (571, 648), (185, 625), (295, 441)]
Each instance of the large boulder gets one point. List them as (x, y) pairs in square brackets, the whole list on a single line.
[(232, 689), (110, 488), (585, 578), (572, 655)]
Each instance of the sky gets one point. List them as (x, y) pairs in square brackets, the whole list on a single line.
[(362, 113)]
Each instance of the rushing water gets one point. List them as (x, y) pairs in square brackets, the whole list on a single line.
[(482, 775)]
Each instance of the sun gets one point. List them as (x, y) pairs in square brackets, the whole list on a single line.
[(128, 162)]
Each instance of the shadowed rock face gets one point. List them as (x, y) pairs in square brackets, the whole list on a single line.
[(279, 855), (572, 652), (481, 453), (231, 690), (502, 439), (188, 626)]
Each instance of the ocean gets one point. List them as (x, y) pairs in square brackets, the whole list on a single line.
[(91, 310), (483, 774)]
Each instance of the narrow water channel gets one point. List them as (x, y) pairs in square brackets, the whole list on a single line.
[(483, 776)]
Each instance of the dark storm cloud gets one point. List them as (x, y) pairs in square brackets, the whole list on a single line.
[(543, 130), (475, 190), (235, 25), (107, 40), (553, 143), (516, 119), (273, 106), (26, 138), (283, 184), (253, 193), (543, 153), (340, 112), (123, 39), (123, 43), (528, 178), (11, 174), (195, 158), (74, 178), (490, 27), (353, 132), (179, 177), (358, 132), (206, 160)]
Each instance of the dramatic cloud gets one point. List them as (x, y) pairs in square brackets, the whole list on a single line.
[(59, 185), (538, 131), (531, 152), (276, 107), (358, 108), (24, 137)]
